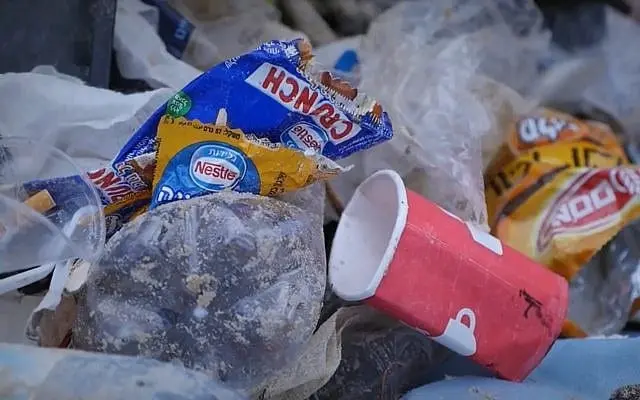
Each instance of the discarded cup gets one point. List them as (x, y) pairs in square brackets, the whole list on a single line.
[(446, 278), (44, 219)]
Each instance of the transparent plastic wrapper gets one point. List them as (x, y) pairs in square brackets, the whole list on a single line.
[(601, 295), (42, 374), (617, 91), (44, 220), (600, 40), (141, 53), (230, 284), (444, 70), (311, 200)]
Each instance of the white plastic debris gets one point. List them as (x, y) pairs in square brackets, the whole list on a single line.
[(141, 54)]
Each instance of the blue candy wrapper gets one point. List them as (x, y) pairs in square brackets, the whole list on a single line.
[(278, 93)]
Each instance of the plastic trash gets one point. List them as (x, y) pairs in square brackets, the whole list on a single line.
[(617, 90), (343, 57), (230, 284), (602, 45), (586, 233), (140, 52), (224, 29), (42, 374), (41, 222), (435, 65), (62, 111), (602, 293), (414, 247)]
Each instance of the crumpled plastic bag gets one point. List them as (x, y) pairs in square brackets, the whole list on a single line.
[(615, 86), (89, 124), (229, 283), (444, 71), (602, 293), (618, 91)]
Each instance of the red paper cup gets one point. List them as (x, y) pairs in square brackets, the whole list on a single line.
[(446, 278)]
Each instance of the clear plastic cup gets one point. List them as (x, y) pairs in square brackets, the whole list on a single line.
[(49, 210)]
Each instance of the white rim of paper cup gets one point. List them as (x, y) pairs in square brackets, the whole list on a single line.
[(367, 236)]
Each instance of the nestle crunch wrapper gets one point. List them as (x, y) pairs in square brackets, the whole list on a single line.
[(195, 159), (559, 189), (277, 93), (289, 118)]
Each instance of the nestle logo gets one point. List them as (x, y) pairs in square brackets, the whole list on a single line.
[(217, 167), (304, 137), (215, 171)]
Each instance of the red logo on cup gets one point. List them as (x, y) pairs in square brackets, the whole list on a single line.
[(446, 278)]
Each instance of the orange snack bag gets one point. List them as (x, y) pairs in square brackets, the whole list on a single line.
[(559, 189)]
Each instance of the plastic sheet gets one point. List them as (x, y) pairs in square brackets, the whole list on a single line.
[(436, 67), (42, 374), (602, 293), (140, 52), (618, 91), (600, 40), (229, 283), (44, 220)]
